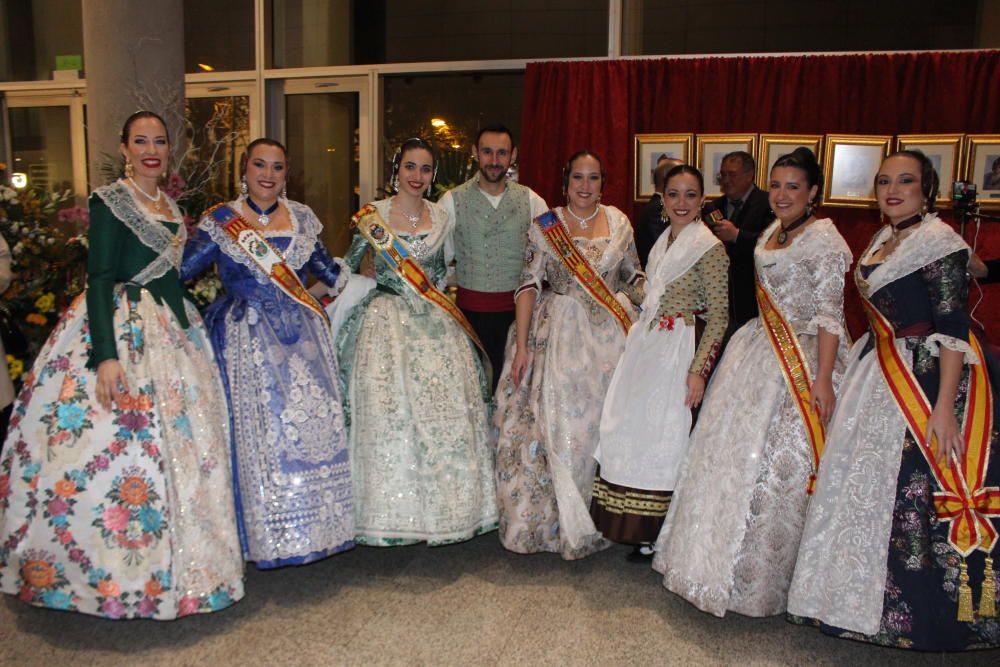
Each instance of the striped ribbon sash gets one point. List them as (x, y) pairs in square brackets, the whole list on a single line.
[(590, 280), (396, 253), (263, 254), (795, 369)]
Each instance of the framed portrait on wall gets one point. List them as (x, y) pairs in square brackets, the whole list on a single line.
[(711, 148), (773, 146), (982, 167), (649, 150), (944, 151), (850, 164)]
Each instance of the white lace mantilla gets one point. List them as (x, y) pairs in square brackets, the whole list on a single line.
[(669, 261), (122, 202), (304, 234), (930, 242)]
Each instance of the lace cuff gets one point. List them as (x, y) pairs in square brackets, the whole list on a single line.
[(340, 283), (829, 324), (935, 341)]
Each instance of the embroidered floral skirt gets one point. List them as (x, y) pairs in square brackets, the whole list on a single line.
[(128, 513)]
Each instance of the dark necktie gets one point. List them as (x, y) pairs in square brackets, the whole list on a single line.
[(735, 206)]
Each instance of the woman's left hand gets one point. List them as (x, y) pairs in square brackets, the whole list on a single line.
[(824, 400), (943, 426), (696, 390)]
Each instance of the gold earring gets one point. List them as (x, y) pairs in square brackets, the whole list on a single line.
[(129, 169)]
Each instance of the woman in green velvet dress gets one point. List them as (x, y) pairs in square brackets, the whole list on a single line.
[(115, 493)]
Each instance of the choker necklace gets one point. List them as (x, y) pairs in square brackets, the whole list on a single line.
[(263, 217), (905, 224), (783, 234), (155, 200), (583, 221)]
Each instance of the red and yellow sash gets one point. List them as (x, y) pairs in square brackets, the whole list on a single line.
[(795, 369), (373, 228), (263, 254), (562, 245), (962, 499)]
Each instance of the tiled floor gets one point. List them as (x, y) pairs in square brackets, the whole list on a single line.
[(466, 604)]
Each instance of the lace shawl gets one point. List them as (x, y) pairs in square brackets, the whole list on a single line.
[(122, 203)]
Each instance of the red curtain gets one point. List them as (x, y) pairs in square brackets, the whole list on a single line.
[(600, 105)]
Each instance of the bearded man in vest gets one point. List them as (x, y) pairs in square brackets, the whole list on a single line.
[(492, 215)]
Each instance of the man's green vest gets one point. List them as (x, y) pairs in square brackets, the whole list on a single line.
[(489, 243)]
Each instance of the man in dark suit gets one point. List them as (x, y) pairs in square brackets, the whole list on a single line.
[(650, 224), (746, 212)]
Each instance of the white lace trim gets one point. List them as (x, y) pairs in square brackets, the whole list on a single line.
[(122, 203), (340, 283), (931, 241), (441, 223), (823, 238), (828, 323), (936, 341)]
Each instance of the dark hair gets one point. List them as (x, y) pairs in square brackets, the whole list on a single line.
[(497, 128), (660, 172), (576, 156), (804, 160), (127, 127), (685, 169), (929, 181), (745, 159), (262, 141), (409, 145)]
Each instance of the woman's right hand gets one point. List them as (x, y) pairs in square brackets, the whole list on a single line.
[(519, 366), (111, 383)]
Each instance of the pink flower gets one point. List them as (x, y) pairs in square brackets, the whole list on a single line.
[(113, 608), (147, 607), (188, 605), (74, 214), (57, 506), (65, 537), (175, 185), (116, 518)]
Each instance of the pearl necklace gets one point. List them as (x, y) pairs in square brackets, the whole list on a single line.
[(583, 221), (156, 201)]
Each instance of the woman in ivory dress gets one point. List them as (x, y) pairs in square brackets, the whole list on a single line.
[(730, 539), (115, 492), (273, 345), (416, 391), (662, 374), (566, 344), (884, 558)]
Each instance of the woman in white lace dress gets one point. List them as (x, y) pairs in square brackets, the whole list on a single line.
[(565, 349), (416, 392), (730, 539)]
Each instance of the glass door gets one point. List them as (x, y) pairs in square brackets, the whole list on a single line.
[(48, 147), (326, 126)]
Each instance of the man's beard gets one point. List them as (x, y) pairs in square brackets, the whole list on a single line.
[(485, 174)]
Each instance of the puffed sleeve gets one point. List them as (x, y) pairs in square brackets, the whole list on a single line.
[(357, 250), (199, 254), (333, 273), (533, 269), (828, 272), (712, 271), (947, 287), (106, 238)]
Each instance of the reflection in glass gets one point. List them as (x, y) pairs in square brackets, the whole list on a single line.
[(448, 110), (33, 33), (41, 146), (323, 160), (218, 35), (218, 132), (312, 33)]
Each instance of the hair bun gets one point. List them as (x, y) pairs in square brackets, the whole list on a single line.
[(805, 154)]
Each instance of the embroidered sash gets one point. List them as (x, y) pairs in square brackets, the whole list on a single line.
[(263, 254), (961, 499), (396, 253), (590, 280), (795, 369)]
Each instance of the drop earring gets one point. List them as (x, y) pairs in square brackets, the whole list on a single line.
[(284, 191), (244, 188), (129, 169)]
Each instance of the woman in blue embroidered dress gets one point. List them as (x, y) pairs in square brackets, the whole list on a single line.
[(115, 493), (290, 465)]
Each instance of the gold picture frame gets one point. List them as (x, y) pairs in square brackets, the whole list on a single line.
[(851, 162), (711, 148), (945, 151), (647, 149), (982, 167), (773, 146)]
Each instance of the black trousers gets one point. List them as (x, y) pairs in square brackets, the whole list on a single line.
[(492, 330)]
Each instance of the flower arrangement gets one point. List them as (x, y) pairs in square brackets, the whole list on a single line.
[(48, 251)]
